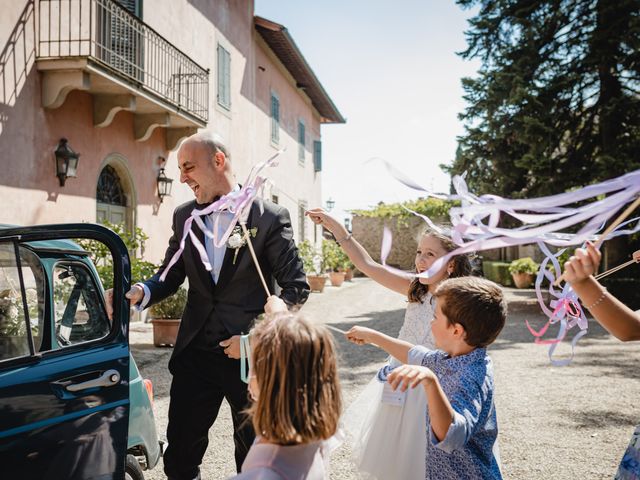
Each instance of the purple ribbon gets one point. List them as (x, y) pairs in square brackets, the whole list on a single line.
[(237, 202), (385, 248), (543, 219)]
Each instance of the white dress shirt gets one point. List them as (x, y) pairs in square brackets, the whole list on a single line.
[(215, 254)]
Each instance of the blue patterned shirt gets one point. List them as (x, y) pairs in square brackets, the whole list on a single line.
[(466, 452)]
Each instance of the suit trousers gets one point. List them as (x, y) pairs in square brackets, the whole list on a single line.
[(201, 379)]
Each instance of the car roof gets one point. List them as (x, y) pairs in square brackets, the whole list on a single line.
[(62, 245)]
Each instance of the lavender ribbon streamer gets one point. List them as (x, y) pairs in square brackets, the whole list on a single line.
[(561, 311), (596, 214), (385, 248), (543, 219), (237, 202), (467, 219), (426, 219)]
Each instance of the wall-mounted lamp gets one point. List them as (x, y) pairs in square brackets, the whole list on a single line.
[(164, 182), (330, 203), (66, 161)]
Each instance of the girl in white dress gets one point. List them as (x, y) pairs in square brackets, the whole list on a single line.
[(389, 429)]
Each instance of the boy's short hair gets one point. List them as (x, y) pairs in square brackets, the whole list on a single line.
[(475, 303), (294, 362)]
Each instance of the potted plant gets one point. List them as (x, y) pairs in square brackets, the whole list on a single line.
[(347, 266), (13, 329), (312, 263), (165, 317), (135, 241), (334, 262), (523, 271)]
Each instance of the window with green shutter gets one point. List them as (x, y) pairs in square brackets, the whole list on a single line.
[(317, 156), (275, 118), (134, 6), (301, 142), (224, 77), (302, 208)]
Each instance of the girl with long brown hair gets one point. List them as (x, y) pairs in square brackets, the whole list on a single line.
[(297, 403)]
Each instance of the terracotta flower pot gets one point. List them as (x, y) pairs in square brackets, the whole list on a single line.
[(337, 278), (316, 282), (165, 331), (348, 275), (522, 280)]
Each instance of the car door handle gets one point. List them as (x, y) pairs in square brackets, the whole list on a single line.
[(107, 379)]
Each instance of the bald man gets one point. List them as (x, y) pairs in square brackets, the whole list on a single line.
[(221, 306)]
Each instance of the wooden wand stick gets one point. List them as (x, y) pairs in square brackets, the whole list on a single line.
[(609, 229), (247, 236)]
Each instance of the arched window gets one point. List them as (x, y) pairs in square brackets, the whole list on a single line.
[(109, 188), (113, 196)]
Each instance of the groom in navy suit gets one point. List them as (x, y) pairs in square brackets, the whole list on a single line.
[(221, 306)]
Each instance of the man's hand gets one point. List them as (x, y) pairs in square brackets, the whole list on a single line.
[(410, 376), (360, 335), (136, 294), (275, 304), (231, 346)]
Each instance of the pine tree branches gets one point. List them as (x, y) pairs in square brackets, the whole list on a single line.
[(555, 104)]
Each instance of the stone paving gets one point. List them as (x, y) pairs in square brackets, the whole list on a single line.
[(555, 423)]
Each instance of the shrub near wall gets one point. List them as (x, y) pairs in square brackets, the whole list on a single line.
[(497, 272)]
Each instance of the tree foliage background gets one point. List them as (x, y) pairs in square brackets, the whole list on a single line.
[(556, 102)]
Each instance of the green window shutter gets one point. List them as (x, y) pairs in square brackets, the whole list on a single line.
[(275, 119), (301, 142), (224, 77), (317, 156), (134, 6)]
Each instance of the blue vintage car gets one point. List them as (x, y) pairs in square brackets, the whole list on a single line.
[(73, 405)]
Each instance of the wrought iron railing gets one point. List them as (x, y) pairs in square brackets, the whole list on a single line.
[(110, 36)]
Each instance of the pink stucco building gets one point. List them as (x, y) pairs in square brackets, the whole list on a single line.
[(124, 82)]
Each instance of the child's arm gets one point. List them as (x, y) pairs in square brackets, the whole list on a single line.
[(394, 347), (441, 413), (395, 281), (611, 313)]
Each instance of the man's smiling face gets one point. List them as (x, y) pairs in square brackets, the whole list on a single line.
[(198, 170)]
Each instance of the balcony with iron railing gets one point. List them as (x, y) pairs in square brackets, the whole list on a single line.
[(100, 47)]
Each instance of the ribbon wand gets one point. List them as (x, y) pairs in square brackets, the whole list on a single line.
[(335, 329), (635, 259), (609, 229), (245, 348), (247, 236)]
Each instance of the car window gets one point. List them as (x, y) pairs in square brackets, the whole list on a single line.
[(79, 314), (14, 340)]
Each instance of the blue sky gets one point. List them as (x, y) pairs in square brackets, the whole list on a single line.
[(392, 71)]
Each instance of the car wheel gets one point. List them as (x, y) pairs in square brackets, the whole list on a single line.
[(132, 470)]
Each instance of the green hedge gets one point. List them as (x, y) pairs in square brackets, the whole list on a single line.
[(497, 272), (433, 208), (627, 290)]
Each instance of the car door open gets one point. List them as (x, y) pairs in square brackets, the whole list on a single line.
[(64, 365)]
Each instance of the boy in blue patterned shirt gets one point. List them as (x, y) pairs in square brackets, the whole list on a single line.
[(457, 378)]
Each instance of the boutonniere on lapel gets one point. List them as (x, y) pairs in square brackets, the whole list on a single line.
[(237, 240)]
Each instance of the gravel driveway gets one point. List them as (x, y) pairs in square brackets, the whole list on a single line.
[(555, 423)]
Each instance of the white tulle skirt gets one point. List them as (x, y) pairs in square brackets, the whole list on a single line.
[(389, 442)]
